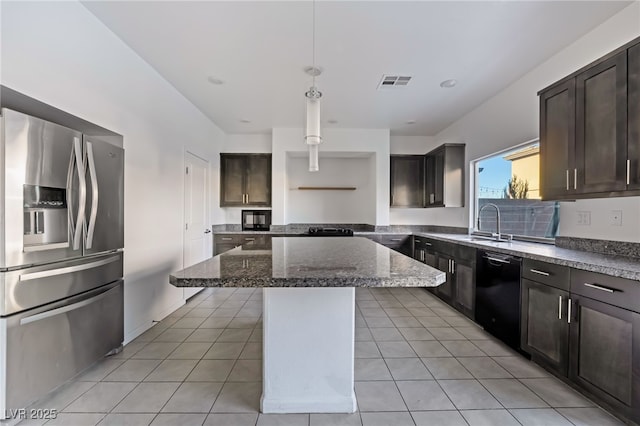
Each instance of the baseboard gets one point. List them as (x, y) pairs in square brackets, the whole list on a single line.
[(309, 405), (130, 335)]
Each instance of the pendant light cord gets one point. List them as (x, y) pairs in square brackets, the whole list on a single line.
[(313, 49)]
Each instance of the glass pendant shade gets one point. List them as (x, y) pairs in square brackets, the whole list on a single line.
[(312, 134), (313, 158)]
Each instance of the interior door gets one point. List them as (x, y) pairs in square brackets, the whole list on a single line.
[(104, 212), (197, 232)]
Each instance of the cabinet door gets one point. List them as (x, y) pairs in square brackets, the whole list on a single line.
[(633, 116), (430, 258), (601, 120), (465, 286), (435, 178), (407, 181), (544, 325), (232, 172), (557, 140), (445, 290), (258, 180), (605, 343)]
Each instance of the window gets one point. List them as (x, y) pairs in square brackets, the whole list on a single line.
[(510, 180)]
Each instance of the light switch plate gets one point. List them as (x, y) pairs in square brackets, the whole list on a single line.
[(584, 218), (615, 218)]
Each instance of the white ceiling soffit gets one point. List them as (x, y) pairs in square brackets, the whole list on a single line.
[(259, 49)]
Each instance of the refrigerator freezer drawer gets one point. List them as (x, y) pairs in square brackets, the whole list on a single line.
[(46, 347), (27, 288)]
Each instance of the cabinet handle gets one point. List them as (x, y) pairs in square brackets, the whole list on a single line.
[(567, 179), (396, 239), (453, 266), (247, 198), (227, 238), (601, 288), (569, 311), (427, 244), (559, 307), (249, 239), (495, 259), (416, 240), (535, 271), (422, 255), (575, 178), (628, 171)]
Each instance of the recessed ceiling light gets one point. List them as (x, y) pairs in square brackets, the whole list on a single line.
[(448, 84), (410, 122), (244, 120), (214, 80), (332, 121)]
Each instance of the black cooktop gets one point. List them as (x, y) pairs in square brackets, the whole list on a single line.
[(330, 232)]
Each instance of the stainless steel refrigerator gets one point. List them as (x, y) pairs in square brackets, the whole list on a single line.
[(61, 255)]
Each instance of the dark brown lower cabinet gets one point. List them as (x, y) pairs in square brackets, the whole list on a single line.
[(465, 287), (605, 354), (544, 327), (446, 290)]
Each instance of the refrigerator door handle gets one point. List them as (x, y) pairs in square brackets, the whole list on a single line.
[(66, 270), (95, 196), (63, 309), (82, 193)]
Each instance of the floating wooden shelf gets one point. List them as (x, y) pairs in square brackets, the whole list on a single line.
[(327, 188)]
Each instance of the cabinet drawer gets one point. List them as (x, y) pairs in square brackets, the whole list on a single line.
[(605, 288), (393, 240), (226, 239), (259, 239), (546, 273)]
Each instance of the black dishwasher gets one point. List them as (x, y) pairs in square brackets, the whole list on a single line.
[(498, 295)]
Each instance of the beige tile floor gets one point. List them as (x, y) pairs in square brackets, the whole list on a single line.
[(417, 362)]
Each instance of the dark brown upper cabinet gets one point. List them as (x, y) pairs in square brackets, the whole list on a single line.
[(245, 180), (590, 129), (557, 140), (407, 181), (444, 176), (601, 121), (633, 117)]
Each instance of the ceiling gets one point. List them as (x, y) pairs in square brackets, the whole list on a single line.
[(259, 49)]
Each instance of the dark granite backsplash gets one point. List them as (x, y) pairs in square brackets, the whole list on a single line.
[(357, 227), (617, 248)]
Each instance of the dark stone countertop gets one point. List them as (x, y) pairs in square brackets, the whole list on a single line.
[(617, 266), (310, 262)]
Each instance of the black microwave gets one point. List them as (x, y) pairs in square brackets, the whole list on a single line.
[(256, 220)]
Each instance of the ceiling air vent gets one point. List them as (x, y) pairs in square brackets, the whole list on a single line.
[(389, 81)]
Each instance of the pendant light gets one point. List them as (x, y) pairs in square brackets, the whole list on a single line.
[(312, 135)]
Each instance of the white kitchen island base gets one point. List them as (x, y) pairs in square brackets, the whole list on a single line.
[(309, 336)]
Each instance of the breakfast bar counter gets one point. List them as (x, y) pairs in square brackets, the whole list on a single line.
[(309, 310)]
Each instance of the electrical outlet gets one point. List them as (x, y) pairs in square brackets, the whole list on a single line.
[(584, 218), (615, 218)]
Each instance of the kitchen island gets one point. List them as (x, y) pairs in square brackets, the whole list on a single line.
[(309, 310)]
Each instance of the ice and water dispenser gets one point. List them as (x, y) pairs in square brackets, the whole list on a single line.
[(45, 216)]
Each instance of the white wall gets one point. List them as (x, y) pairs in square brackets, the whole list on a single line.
[(336, 206), (511, 117), (412, 145), (374, 141), (247, 143), (59, 53)]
